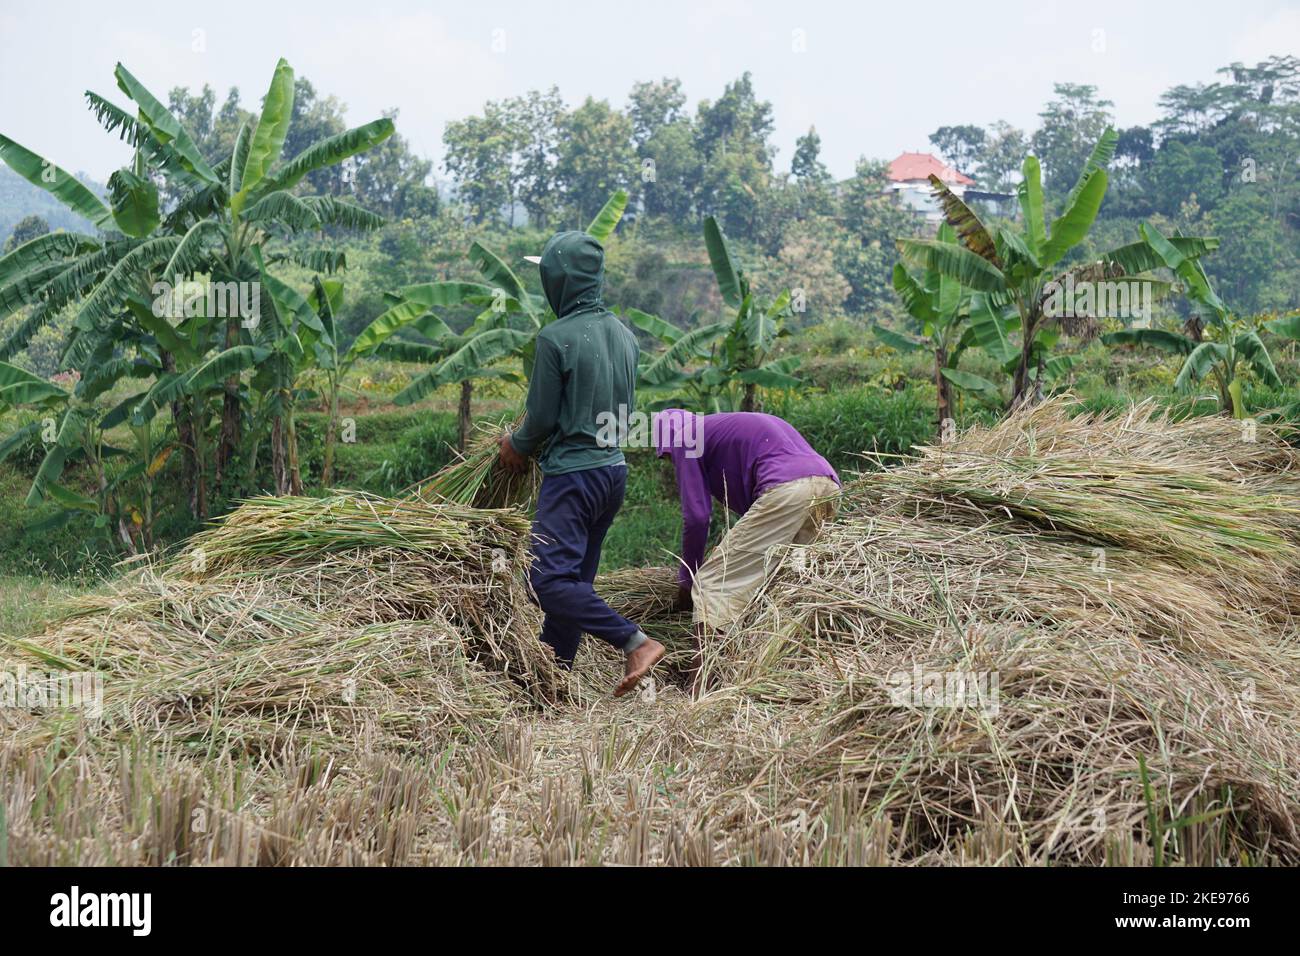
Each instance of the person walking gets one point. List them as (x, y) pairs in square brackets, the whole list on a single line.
[(584, 372)]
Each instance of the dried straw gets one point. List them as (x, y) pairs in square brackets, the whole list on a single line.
[(357, 681), (1135, 611)]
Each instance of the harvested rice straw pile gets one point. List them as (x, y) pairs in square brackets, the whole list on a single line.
[(648, 594), (380, 560), (973, 664), (1132, 607), (319, 620)]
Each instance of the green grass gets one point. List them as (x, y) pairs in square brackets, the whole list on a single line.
[(26, 549), (847, 424), (393, 449), (26, 600), (648, 529)]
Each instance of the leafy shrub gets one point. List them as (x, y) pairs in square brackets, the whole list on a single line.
[(29, 546), (844, 424), (392, 451)]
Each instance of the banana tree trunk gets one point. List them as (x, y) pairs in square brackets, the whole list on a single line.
[(125, 536), (198, 420), (110, 505), (146, 528), (1020, 382), (1236, 400), (191, 462), (250, 466), (279, 456), (464, 415), (284, 450), (331, 435), (291, 449), (1229, 388), (1021, 393), (942, 386), (191, 467), (750, 402), (231, 413)]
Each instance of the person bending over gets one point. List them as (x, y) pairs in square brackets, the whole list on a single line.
[(761, 469)]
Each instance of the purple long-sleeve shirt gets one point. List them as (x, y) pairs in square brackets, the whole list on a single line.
[(731, 456)]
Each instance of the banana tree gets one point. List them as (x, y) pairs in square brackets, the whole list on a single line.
[(225, 210), (253, 206), (461, 359), (1228, 345), (497, 332), (301, 338), (1019, 275), (941, 308), (326, 297), (312, 340), (722, 365), (122, 502), (177, 360), (287, 340), (292, 340), (191, 387), (20, 389)]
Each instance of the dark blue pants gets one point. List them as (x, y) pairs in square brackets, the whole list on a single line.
[(574, 512)]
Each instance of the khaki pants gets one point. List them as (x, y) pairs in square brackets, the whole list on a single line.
[(789, 513)]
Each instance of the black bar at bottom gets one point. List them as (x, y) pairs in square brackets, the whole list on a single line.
[(612, 906)]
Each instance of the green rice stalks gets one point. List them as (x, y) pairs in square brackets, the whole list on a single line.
[(478, 479)]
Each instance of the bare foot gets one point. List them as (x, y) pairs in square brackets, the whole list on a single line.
[(638, 665)]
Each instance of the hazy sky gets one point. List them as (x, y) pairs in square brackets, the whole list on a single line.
[(876, 79)]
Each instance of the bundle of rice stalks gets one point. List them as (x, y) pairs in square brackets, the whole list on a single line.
[(269, 533), (376, 560), (647, 596), (321, 619), (477, 478), (1200, 496), (1033, 645), (1212, 445), (251, 671)]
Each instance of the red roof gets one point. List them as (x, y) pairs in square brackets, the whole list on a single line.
[(910, 166)]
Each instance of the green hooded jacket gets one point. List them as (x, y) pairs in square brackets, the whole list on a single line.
[(584, 370)]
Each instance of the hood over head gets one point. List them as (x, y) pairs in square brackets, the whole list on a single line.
[(573, 272)]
